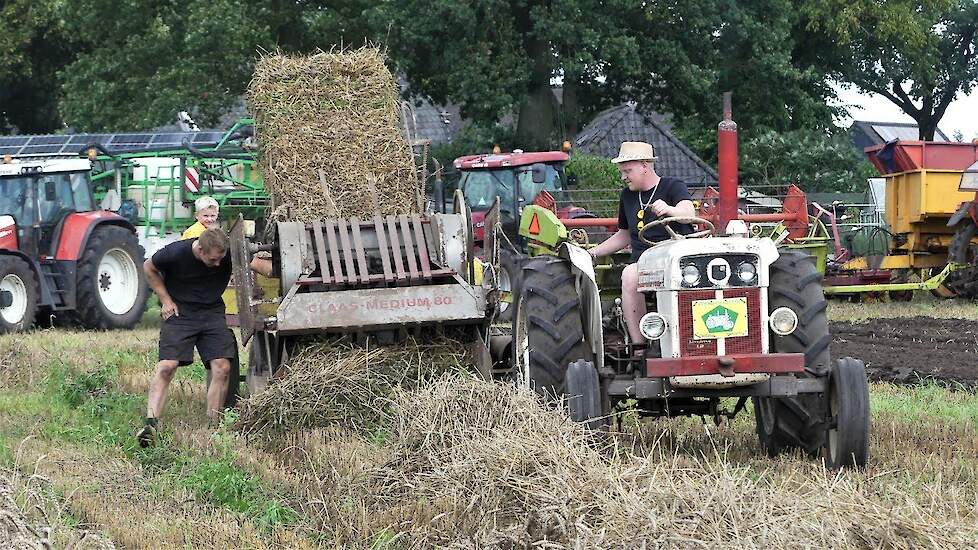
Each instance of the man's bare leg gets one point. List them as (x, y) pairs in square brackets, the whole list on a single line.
[(165, 370), (220, 373), (632, 303)]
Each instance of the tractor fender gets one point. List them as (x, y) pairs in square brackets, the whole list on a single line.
[(8, 233), (78, 227), (963, 210), (583, 267)]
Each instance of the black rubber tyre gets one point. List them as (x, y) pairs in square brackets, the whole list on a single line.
[(511, 264), (584, 394), (103, 301), (547, 327), (17, 278), (797, 422), (847, 441), (961, 251), (234, 379)]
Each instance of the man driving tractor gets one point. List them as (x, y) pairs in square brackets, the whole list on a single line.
[(645, 198)]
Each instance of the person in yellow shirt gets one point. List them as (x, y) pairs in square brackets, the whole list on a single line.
[(206, 212)]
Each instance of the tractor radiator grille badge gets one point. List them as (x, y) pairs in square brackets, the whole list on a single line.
[(703, 319)]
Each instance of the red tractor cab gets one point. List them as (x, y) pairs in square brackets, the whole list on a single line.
[(518, 179), (59, 255)]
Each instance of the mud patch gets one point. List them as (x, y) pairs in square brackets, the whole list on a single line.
[(912, 349)]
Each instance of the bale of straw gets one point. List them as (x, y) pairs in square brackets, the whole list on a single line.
[(327, 128), (334, 382)]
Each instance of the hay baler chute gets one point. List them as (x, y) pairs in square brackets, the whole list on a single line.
[(363, 276)]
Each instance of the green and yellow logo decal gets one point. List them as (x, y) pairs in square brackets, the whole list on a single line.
[(724, 318)]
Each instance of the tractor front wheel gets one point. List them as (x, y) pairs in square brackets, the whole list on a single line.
[(847, 443), (112, 287), (18, 295)]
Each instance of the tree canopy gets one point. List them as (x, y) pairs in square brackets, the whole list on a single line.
[(918, 54)]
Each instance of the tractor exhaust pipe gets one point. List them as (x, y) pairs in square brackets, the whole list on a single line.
[(727, 164)]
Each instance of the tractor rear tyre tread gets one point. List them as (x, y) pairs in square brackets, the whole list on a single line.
[(91, 312), (554, 327), (797, 422), (19, 269), (959, 251)]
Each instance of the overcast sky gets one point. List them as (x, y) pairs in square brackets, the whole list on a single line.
[(962, 114)]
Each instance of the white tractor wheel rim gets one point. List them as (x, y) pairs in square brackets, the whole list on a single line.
[(505, 291), (15, 312), (117, 281)]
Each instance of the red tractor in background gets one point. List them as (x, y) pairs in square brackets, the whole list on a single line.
[(518, 179), (61, 257)]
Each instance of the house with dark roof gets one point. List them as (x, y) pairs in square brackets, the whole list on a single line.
[(603, 136), (866, 133)]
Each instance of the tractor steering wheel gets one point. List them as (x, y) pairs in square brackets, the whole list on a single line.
[(672, 234)]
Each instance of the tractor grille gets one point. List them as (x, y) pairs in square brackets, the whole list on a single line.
[(744, 344)]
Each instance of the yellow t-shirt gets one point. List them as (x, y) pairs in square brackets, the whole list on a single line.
[(193, 231)]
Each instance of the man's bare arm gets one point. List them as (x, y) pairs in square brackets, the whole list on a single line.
[(262, 266), (613, 244), (155, 280)]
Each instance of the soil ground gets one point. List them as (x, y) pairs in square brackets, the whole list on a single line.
[(911, 349)]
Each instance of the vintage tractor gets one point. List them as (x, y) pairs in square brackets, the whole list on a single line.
[(730, 316), (59, 256)]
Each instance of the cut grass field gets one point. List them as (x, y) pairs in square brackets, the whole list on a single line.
[(70, 402)]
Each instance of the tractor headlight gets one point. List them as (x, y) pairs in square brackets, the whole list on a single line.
[(747, 272), (652, 325), (783, 321), (691, 275)]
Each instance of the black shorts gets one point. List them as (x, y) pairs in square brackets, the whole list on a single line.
[(208, 333)]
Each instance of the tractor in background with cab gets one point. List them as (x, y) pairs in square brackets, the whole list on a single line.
[(59, 255)]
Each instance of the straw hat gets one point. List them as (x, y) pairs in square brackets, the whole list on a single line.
[(635, 150)]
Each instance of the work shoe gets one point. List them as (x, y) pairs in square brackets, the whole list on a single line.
[(146, 435)]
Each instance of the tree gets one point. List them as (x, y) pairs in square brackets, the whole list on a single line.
[(500, 57), (815, 161), (919, 55), (34, 45), (138, 67)]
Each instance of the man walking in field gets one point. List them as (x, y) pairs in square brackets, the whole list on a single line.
[(645, 198), (189, 276)]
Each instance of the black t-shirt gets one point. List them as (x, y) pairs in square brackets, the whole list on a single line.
[(194, 287), (672, 191)]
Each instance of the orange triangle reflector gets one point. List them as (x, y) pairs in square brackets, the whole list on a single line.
[(534, 225)]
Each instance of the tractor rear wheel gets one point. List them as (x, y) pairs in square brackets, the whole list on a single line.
[(797, 422), (18, 295), (962, 252), (548, 337), (112, 289)]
